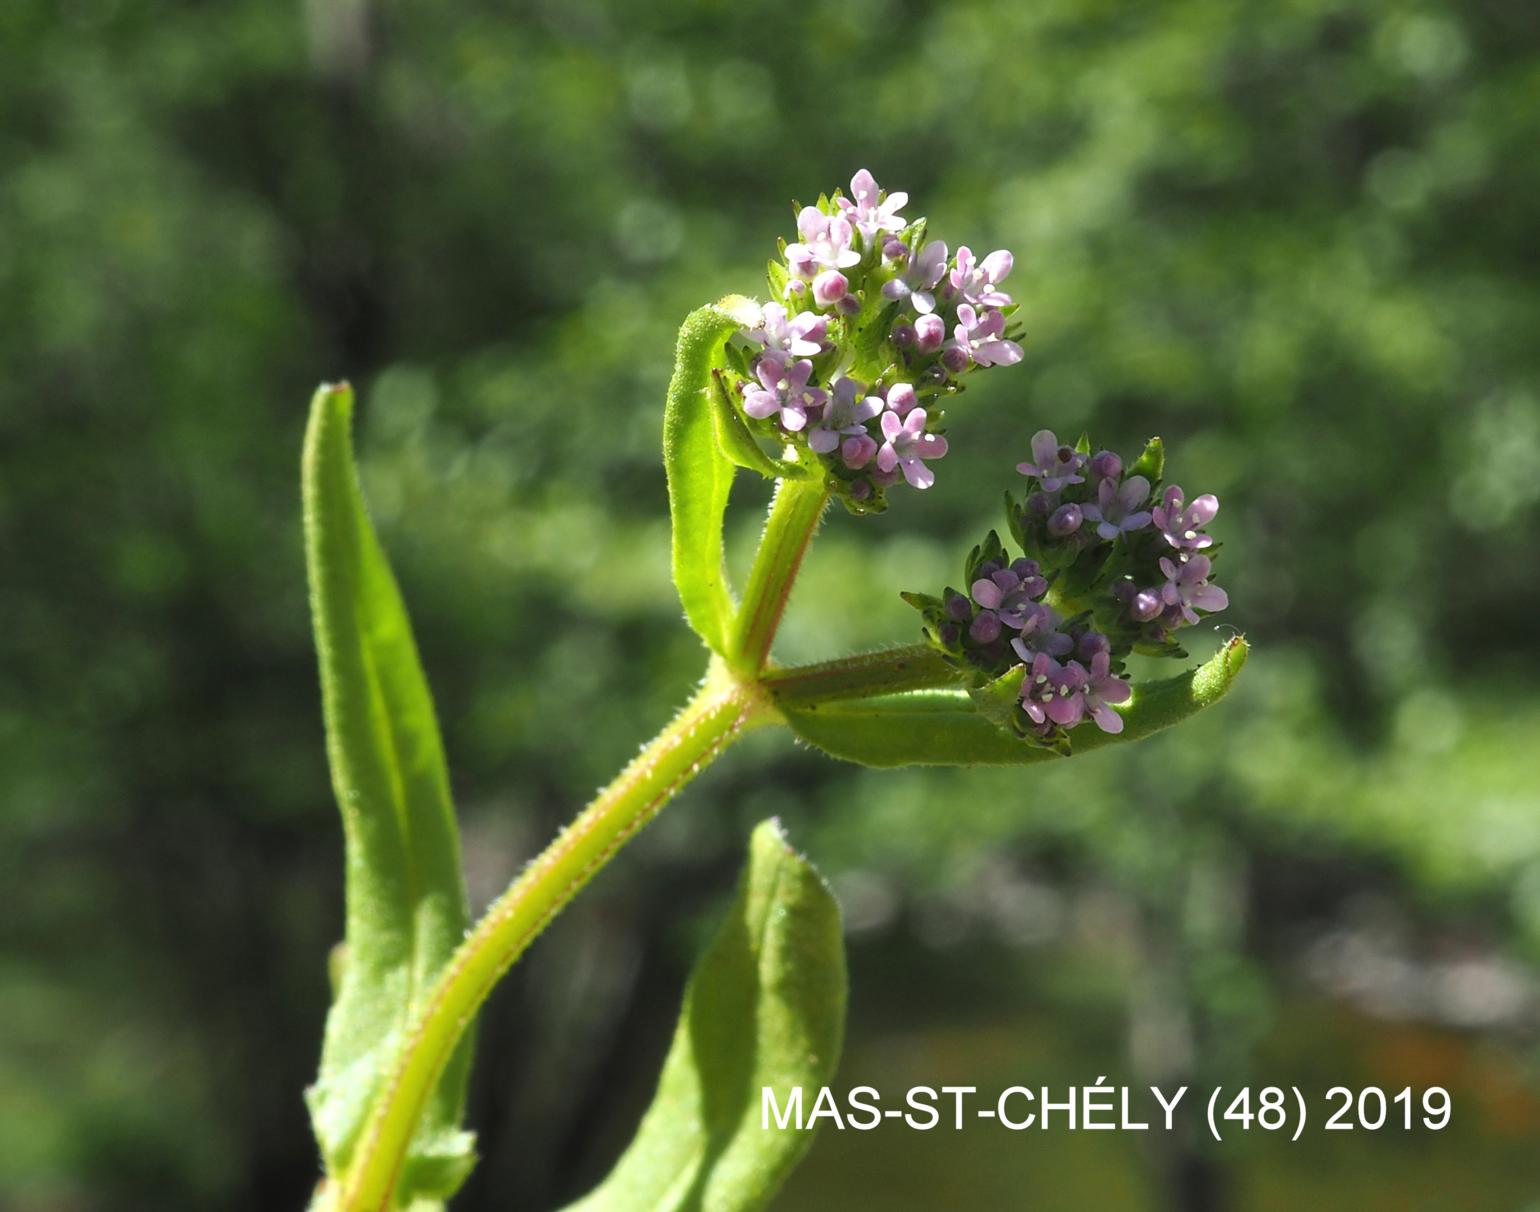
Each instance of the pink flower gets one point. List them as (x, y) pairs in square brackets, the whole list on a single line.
[(825, 244), (907, 444), (978, 282), (981, 336), (869, 209), (783, 390)]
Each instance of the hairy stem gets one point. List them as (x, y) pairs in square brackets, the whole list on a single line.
[(888, 671), (718, 715), (794, 516)]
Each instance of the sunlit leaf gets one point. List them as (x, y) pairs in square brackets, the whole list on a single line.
[(765, 1007), (700, 475), (739, 445), (947, 728), (406, 907)]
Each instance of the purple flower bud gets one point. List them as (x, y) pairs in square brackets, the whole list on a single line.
[(894, 249), (1064, 521), (948, 633), (1090, 644), (930, 332), (955, 359), (985, 628), (860, 490), (830, 287), (857, 451), (958, 606), (850, 305), (903, 335), (1144, 605), (1040, 503), (901, 398), (1106, 465)]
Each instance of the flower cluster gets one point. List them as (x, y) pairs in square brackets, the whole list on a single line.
[(1113, 563), (869, 329)]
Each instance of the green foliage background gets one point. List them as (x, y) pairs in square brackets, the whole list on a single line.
[(1296, 239)]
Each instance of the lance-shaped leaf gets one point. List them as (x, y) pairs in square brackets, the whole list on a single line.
[(948, 727), (406, 907), (765, 1009)]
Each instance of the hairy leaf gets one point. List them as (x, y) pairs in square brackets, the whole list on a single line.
[(765, 1007), (406, 908), (700, 475), (947, 728)]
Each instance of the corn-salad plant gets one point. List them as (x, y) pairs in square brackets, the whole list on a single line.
[(839, 388)]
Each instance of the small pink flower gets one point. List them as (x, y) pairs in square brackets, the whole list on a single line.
[(907, 444)]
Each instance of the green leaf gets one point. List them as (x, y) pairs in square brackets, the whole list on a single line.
[(946, 727), (765, 1008), (1151, 463), (406, 907), (739, 445), (700, 475), (998, 700)]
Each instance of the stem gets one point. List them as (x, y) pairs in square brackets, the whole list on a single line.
[(794, 516), (722, 711), (914, 667)]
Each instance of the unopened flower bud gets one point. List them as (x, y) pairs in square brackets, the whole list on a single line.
[(985, 628), (955, 359), (901, 398), (801, 263), (829, 288), (1144, 606), (894, 249), (958, 606), (849, 306), (857, 451), (1064, 521), (903, 335), (930, 331), (1106, 464)]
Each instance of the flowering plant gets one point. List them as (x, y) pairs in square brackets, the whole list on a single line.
[(837, 387)]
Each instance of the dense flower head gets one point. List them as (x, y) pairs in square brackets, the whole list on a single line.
[(1112, 564), (862, 297)]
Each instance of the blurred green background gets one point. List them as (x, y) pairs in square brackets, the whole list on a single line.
[(1297, 238)]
